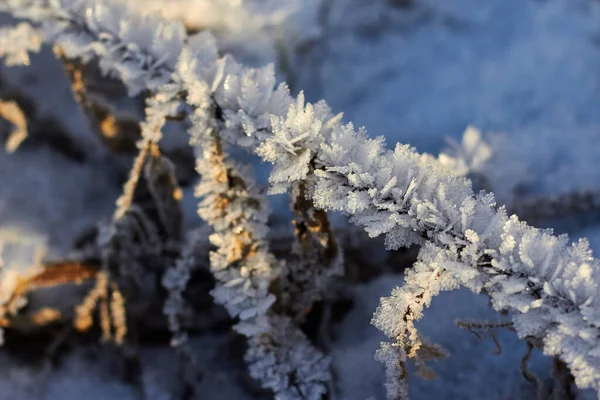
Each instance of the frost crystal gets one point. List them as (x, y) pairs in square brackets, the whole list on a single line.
[(286, 362), (295, 141)]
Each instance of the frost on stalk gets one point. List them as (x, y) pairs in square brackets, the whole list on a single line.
[(133, 47), (245, 271), (245, 96), (237, 215), (175, 281), (395, 193), (295, 141), (410, 199), (396, 315), (287, 363), (316, 257), (394, 361), (248, 101), (16, 42), (164, 103), (244, 268), (198, 70)]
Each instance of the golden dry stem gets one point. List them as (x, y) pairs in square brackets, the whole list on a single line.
[(112, 312), (46, 316), (105, 324), (74, 70), (126, 199), (52, 274), (428, 352), (10, 111), (118, 133), (83, 312), (118, 313), (109, 127), (63, 272), (164, 188)]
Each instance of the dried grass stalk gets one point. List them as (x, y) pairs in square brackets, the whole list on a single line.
[(10, 111)]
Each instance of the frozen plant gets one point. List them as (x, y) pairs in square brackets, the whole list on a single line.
[(175, 281), (550, 288)]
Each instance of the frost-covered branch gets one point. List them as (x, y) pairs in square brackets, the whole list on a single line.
[(550, 288), (279, 355), (176, 279), (130, 240)]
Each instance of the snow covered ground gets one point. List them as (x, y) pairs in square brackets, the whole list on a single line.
[(524, 72)]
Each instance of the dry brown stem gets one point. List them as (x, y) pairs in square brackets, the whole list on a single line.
[(529, 375), (10, 111), (46, 316), (118, 314), (118, 132), (166, 193), (312, 225), (59, 273), (125, 201), (112, 313), (316, 257), (487, 327), (83, 319), (563, 381), (51, 275)]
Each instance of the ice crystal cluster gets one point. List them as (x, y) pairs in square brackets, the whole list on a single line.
[(549, 287)]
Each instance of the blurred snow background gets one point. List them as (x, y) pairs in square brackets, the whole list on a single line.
[(526, 73)]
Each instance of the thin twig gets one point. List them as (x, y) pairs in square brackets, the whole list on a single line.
[(529, 375), (10, 111)]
